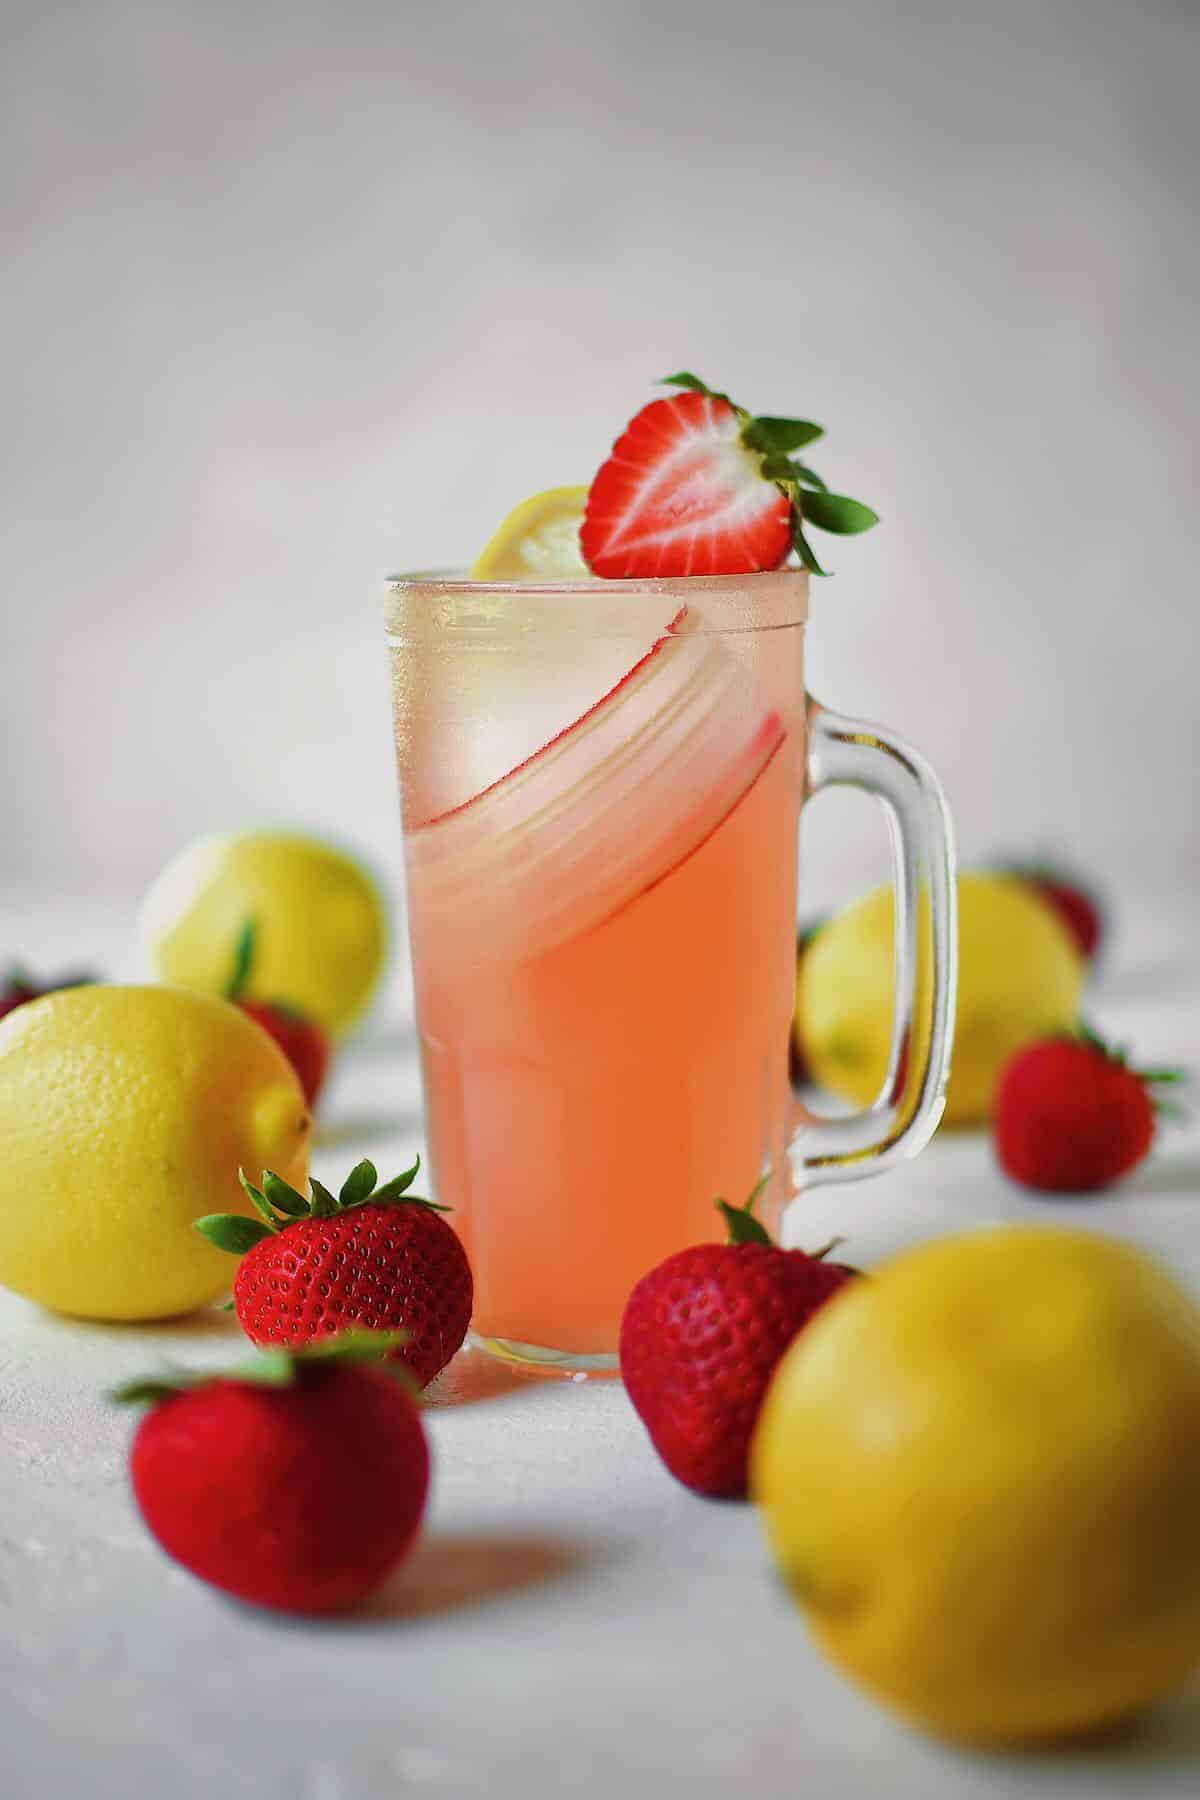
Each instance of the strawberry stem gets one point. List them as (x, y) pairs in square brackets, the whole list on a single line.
[(773, 439), (278, 1204), (742, 1225), (277, 1368)]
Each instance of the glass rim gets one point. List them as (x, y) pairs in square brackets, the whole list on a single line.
[(451, 582)]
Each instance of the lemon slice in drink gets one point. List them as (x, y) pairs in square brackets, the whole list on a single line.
[(539, 540)]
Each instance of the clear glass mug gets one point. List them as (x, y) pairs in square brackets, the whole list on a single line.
[(601, 786)]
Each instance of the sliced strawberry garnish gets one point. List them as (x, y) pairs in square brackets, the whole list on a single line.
[(696, 486), (682, 495)]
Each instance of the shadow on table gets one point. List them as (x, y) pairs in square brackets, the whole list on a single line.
[(1167, 1175), (447, 1574), (473, 1376), (1170, 1733), (207, 1322)]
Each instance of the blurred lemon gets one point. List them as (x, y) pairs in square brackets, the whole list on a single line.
[(538, 540), (125, 1113), (1020, 977), (979, 1471), (321, 930)]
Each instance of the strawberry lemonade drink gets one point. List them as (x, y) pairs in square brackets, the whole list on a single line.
[(603, 758)]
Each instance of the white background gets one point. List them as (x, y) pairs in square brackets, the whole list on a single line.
[(295, 294)]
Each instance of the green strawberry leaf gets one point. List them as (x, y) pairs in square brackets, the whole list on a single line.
[(837, 513), (146, 1390), (233, 1231), (743, 1227), (270, 1368), (258, 1201), (791, 474), (323, 1204), (687, 380), (804, 549), (773, 436), (283, 1196), (355, 1344), (399, 1184), (359, 1183), (277, 1368), (807, 477), (243, 961)]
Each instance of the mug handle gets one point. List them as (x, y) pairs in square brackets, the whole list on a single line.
[(847, 753)]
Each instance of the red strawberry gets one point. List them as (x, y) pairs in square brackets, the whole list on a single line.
[(297, 1483), (1078, 907), (18, 987), (1071, 1116), (377, 1257), (696, 486), (301, 1039), (700, 1339), (1078, 910)]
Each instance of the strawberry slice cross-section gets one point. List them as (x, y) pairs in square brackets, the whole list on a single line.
[(681, 494), (695, 485)]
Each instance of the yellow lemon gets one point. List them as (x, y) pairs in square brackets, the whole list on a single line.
[(538, 540), (1020, 977), (125, 1113), (321, 928), (979, 1471)]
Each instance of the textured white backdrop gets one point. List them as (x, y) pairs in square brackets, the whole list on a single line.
[(297, 293)]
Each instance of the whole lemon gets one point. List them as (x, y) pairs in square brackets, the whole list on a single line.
[(321, 928), (979, 1471), (125, 1113), (1020, 977)]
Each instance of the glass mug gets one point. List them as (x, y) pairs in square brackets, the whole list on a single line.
[(601, 786)]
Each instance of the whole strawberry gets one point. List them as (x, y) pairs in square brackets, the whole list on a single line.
[(696, 486), (301, 1039), (700, 1339), (1077, 905), (1070, 1116), (297, 1482), (376, 1257)]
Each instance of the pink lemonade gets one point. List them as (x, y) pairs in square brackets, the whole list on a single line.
[(603, 943)]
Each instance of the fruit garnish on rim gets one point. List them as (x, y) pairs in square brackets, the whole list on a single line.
[(539, 540), (696, 485)]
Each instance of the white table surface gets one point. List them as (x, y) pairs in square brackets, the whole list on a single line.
[(573, 1623)]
